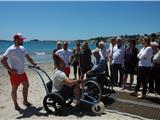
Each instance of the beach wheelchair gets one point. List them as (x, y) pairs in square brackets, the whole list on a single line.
[(99, 86), (54, 102)]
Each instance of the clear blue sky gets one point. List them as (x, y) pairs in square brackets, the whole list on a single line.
[(77, 20)]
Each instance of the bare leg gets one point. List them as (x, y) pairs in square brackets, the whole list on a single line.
[(82, 76), (25, 92), (14, 96), (77, 91), (125, 76)]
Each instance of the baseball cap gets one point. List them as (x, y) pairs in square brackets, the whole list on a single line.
[(18, 36)]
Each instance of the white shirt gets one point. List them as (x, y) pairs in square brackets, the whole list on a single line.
[(16, 57), (156, 58), (104, 53), (118, 55), (110, 49), (145, 56), (58, 78), (65, 55)]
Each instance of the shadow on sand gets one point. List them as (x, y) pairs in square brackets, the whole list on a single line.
[(68, 110), (80, 112), (31, 111)]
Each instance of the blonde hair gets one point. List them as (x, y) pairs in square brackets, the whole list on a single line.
[(101, 43)]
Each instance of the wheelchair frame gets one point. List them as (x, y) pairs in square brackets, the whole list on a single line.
[(54, 103)]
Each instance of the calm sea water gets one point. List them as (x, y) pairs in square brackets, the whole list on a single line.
[(41, 51)]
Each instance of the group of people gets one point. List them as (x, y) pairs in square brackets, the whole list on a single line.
[(81, 59), (128, 60), (122, 61)]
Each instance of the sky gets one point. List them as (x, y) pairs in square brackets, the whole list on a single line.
[(73, 20)]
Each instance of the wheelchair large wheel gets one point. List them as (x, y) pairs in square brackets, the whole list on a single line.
[(92, 89), (53, 103), (107, 88)]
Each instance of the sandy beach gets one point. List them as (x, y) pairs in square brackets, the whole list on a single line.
[(36, 95)]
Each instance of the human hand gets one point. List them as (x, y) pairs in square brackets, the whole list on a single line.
[(36, 66), (88, 72), (13, 71)]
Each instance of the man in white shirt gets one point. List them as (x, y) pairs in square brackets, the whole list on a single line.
[(16, 54), (117, 61), (65, 54), (104, 54)]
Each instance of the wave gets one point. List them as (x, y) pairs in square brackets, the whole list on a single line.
[(39, 53)]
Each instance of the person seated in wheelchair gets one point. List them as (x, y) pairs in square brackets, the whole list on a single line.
[(99, 67), (61, 83)]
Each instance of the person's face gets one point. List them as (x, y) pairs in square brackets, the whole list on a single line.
[(131, 44), (85, 45), (153, 37), (154, 47), (119, 42), (65, 46), (144, 42), (78, 44), (59, 46), (100, 46), (62, 64), (19, 42), (113, 42)]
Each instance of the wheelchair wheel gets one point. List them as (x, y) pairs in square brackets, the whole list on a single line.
[(107, 88), (92, 89), (53, 103), (98, 108)]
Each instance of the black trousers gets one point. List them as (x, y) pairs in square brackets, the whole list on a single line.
[(142, 78), (156, 78), (115, 69)]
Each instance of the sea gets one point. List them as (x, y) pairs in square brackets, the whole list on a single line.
[(41, 51)]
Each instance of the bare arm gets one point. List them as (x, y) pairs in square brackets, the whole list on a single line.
[(69, 82), (5, 64), (30, 60)]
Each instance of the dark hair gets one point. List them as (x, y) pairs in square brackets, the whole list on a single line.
[(97, 43), (57, 60), (153, 35), (132, 41)]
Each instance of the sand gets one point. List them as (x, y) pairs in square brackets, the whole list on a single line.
[(36, 95)]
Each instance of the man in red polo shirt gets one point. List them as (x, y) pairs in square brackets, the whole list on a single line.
[(16, 55)]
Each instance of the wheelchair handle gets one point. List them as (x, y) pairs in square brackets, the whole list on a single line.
[(37, 70)]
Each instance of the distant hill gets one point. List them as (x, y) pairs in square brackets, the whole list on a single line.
[(5, 40), (94, 40)]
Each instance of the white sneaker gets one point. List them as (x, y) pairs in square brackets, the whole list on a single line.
[(141, 96)]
